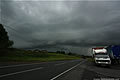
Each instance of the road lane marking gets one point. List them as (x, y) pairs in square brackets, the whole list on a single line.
[(21, 65), (18, 65), (74, 61), (59, 64), (65, 62), (20, 72), (67, 70)]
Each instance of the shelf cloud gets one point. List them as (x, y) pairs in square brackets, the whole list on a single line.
[(56, 24)]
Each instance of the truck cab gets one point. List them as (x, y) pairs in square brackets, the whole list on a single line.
[(101, 57)]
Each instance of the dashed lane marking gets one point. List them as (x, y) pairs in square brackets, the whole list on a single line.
[(20, 72)]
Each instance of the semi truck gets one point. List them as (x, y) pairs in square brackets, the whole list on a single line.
[(114, 53), (100, 56)]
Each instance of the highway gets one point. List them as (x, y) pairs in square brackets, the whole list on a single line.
[(38, 71), (82, 69)]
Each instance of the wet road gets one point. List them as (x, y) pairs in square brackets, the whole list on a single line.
[(59, 70)]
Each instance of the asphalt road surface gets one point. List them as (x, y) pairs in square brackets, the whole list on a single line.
[(58, 70)]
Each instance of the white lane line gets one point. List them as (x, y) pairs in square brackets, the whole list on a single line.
[(59, 64), (20, 72), (66, 71), (74, 61), (18, 65)]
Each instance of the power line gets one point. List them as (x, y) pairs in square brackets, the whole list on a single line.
[(16, 32), (10, 28)]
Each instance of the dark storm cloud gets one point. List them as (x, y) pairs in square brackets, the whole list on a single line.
[(57, 24)]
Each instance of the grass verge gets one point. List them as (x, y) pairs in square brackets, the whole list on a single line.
[(30, 56)]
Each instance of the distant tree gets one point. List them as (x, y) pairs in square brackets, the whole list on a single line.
[(4, 39), (10, 43), (62, 52), (58, 52), (83, 56), (69, 53)]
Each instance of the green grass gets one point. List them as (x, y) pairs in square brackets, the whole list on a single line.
[(30, 56), (90, 59)]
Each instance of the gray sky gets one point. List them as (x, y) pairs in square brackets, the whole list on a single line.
[(62, 24)]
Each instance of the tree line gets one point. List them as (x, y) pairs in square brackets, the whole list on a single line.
[(5, 43)]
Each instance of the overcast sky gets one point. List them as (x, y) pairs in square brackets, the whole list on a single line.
[(61, 24)]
